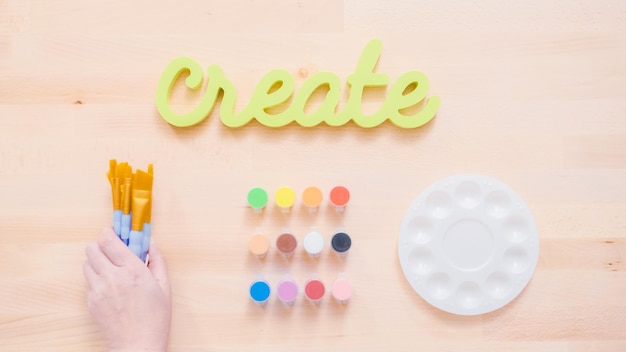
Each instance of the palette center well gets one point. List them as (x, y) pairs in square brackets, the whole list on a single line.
[(468, 244)]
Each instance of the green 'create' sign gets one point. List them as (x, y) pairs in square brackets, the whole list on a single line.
[(277, 88)]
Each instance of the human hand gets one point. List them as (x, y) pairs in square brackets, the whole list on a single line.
[(129, 301)]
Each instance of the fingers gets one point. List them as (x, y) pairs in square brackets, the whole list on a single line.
[(158, 269), (97, 260), (115, 250), (90, 274)]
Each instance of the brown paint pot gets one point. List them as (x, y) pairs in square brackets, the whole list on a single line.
[(286, 244)]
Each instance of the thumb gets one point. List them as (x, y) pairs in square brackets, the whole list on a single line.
[(156, 264)]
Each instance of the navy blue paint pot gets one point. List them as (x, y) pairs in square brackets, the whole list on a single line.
[(341, 243)]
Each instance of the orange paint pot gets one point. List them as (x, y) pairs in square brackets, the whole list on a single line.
[(312, 198)]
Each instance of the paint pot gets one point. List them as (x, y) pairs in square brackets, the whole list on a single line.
[(260, 291), (257, 199), (341, 243), (313, 243), (339, 197), (312, 198), (259, 245), (284, 198), (287, 291), (286, 244), (314, 290), (341, 289)]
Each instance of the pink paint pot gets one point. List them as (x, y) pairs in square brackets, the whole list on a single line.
[(341, 290), (287, 291)]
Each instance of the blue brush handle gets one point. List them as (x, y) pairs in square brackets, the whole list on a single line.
[(145, 246), (135, 242), (117, 222), (125, 233)]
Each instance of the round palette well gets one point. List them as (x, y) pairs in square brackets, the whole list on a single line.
[(468, 244)]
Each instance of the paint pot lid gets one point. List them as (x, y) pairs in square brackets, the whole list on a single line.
[(259, 244), (339, 196), (286, 243), (285, 197), (260, 291), (287, 290), (257, 198), (314, 290), (342, 290), (312, 197), (313, 242), (341, 242)]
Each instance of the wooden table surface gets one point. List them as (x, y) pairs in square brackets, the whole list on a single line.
[(533, 93)]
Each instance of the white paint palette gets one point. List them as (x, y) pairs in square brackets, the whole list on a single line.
[(468, 244)]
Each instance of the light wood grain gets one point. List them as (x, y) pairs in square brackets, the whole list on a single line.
[(532, 94)]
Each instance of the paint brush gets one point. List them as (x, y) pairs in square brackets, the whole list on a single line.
[(126, 202), (114, 180), (147, 226), (140, 202)]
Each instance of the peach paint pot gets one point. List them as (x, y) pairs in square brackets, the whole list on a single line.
[(314, 290), (286, 244), (313, 243), (259, 245), (341, 243), (259, 291), (284, 198), (312, 198), (287, 291), (341, 290), (339, 197)]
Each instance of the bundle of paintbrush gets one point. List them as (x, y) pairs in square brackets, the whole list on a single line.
[(132, 205)]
